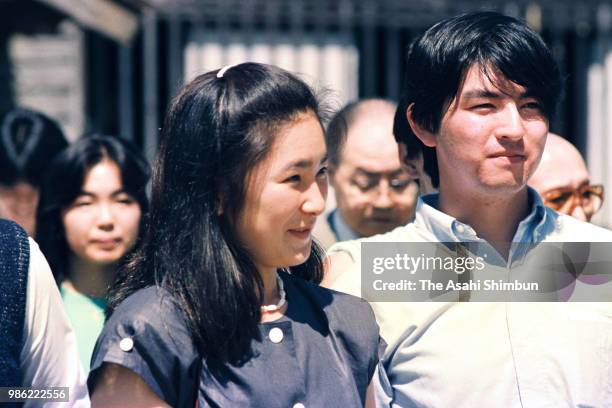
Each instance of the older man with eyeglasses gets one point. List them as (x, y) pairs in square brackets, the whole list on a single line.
[(563, 181), (374, 192)]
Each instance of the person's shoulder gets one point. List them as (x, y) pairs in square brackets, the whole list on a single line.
[(334, 302), (151, 305), (148, 335), (401, 233), (9, 225), (344, 258), (571, 229)]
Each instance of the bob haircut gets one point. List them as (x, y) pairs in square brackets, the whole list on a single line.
[(217, 129), (64, 182), (439, 59)]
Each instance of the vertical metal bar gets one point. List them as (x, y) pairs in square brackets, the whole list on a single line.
[(393, 53), (150, 84), (580, 69), (558, 124), (175, 54), (369, 61), (126, 94)]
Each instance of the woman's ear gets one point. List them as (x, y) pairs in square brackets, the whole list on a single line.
[(424, 135), (220, 204)]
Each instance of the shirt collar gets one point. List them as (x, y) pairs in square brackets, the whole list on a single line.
[(446, 228), (340, 227)]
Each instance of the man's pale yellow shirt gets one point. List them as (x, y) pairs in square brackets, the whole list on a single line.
[(490, 354)]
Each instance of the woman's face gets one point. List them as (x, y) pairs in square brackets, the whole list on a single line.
[(285, 194), (101, 225)]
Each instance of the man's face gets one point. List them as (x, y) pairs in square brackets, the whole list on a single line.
[(562, 174), (374, 192), (491, 137)]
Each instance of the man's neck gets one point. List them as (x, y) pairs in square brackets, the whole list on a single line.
[(495, 219)]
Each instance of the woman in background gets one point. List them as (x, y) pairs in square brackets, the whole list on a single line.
[(221, 306), (91, 205)]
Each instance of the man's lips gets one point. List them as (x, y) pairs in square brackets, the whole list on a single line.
[(512, 157)]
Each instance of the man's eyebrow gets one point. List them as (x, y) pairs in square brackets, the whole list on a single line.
[(371, 174), (486, 93), (366, 172), (481, 93)]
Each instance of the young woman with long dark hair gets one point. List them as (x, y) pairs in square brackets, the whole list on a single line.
[(220, 306), (92, 201)]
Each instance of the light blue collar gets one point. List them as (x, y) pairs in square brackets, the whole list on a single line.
[(340, 227), (445, 228)]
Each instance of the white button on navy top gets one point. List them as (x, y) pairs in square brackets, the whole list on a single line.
[(276, 335), (299, 405), (126, 344)]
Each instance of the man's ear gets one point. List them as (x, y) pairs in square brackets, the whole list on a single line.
[(424, 135)]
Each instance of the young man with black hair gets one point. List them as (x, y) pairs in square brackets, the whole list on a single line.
[(480, 90)]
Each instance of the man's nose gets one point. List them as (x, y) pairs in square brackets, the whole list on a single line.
[(512, 125), (579, 213), (383, 193)]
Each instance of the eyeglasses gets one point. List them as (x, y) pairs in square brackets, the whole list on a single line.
[(370, 183), (564, 200)]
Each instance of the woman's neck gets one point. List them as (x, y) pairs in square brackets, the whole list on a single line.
[(270, 282), (90, 279), (269, 277)]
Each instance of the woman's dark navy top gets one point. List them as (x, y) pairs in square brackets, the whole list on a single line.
[(325, 357)]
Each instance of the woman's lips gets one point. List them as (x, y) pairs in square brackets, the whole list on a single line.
[(301, 233), (106, 243)]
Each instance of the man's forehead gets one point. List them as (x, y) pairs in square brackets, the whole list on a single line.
[(560, 167), (488, 81)]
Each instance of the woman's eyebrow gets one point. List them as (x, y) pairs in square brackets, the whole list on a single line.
[(303, 164)]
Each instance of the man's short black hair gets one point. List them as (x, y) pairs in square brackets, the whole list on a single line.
[(414, 147), (438, 61)]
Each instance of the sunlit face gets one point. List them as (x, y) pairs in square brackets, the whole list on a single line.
[(374, 192), (101, 225), (490, 141), (561, 172), (285, 194)]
